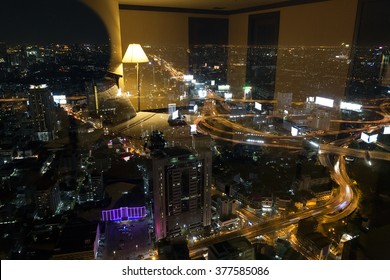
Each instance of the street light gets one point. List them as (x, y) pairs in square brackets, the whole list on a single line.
[(135, 54)]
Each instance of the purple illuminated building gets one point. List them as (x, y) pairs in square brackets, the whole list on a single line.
[(124, 213)]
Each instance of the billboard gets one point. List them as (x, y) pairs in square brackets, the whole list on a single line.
[(294, 131), (188, 78), (350, 106), (258, 106), (175, 115), (228, 95), (324, 101), (369, 138), (193, 129), (223, 87), (373, 138), (386, 130), (59, 99)]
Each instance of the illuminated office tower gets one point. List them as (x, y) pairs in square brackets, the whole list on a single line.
[(3, 53), (3, 61), (47, 196), (42, 112), (181, 187)]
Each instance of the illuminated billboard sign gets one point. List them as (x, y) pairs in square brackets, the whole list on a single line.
[(258, 106), (202, 93), (386, 130), (193, 129), (369, 138), (350, 106), (59, 99), (228, 95), (294, 131), (324, 101), (188, 78), (373, 138), (175, 115), (365, 137), (223, 87), (310, 99)]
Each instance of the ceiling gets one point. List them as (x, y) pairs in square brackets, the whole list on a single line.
[(224, 5)]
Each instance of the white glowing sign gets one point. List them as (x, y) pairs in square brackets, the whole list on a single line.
[(188, 78), (175, 115), (59, 99), (223, 87), (193, 128), (369, 138), (202, 93), (228, 95), (324, 101), (258, 106), (386, 130), (365, 137), (294, 131), (373, 138), (350, 106), (310, 99)]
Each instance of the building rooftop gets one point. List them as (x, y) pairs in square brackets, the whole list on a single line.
[(77, 236), (230, 247)]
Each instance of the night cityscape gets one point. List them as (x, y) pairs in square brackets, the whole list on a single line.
[(218, 148)]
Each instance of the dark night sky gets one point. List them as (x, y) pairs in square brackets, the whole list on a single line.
[(375, 22), (49, 21)]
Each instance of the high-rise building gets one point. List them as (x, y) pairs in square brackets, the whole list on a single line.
[(3, 53), (47, 197), (181, 187), (42, 112), (3, 61)]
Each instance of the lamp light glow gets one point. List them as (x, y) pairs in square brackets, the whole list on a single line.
[(135, 54)]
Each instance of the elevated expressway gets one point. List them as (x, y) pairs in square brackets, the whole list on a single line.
[(342, 202)]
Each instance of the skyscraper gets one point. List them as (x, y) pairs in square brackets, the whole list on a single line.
[(42, 112), (3, 52), (3, 60), (181, 187)]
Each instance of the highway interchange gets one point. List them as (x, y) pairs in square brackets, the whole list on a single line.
[(331, 155)]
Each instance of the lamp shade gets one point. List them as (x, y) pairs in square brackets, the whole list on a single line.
[(134, 54)]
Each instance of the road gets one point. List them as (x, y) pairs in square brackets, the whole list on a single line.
[(341, 204)]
